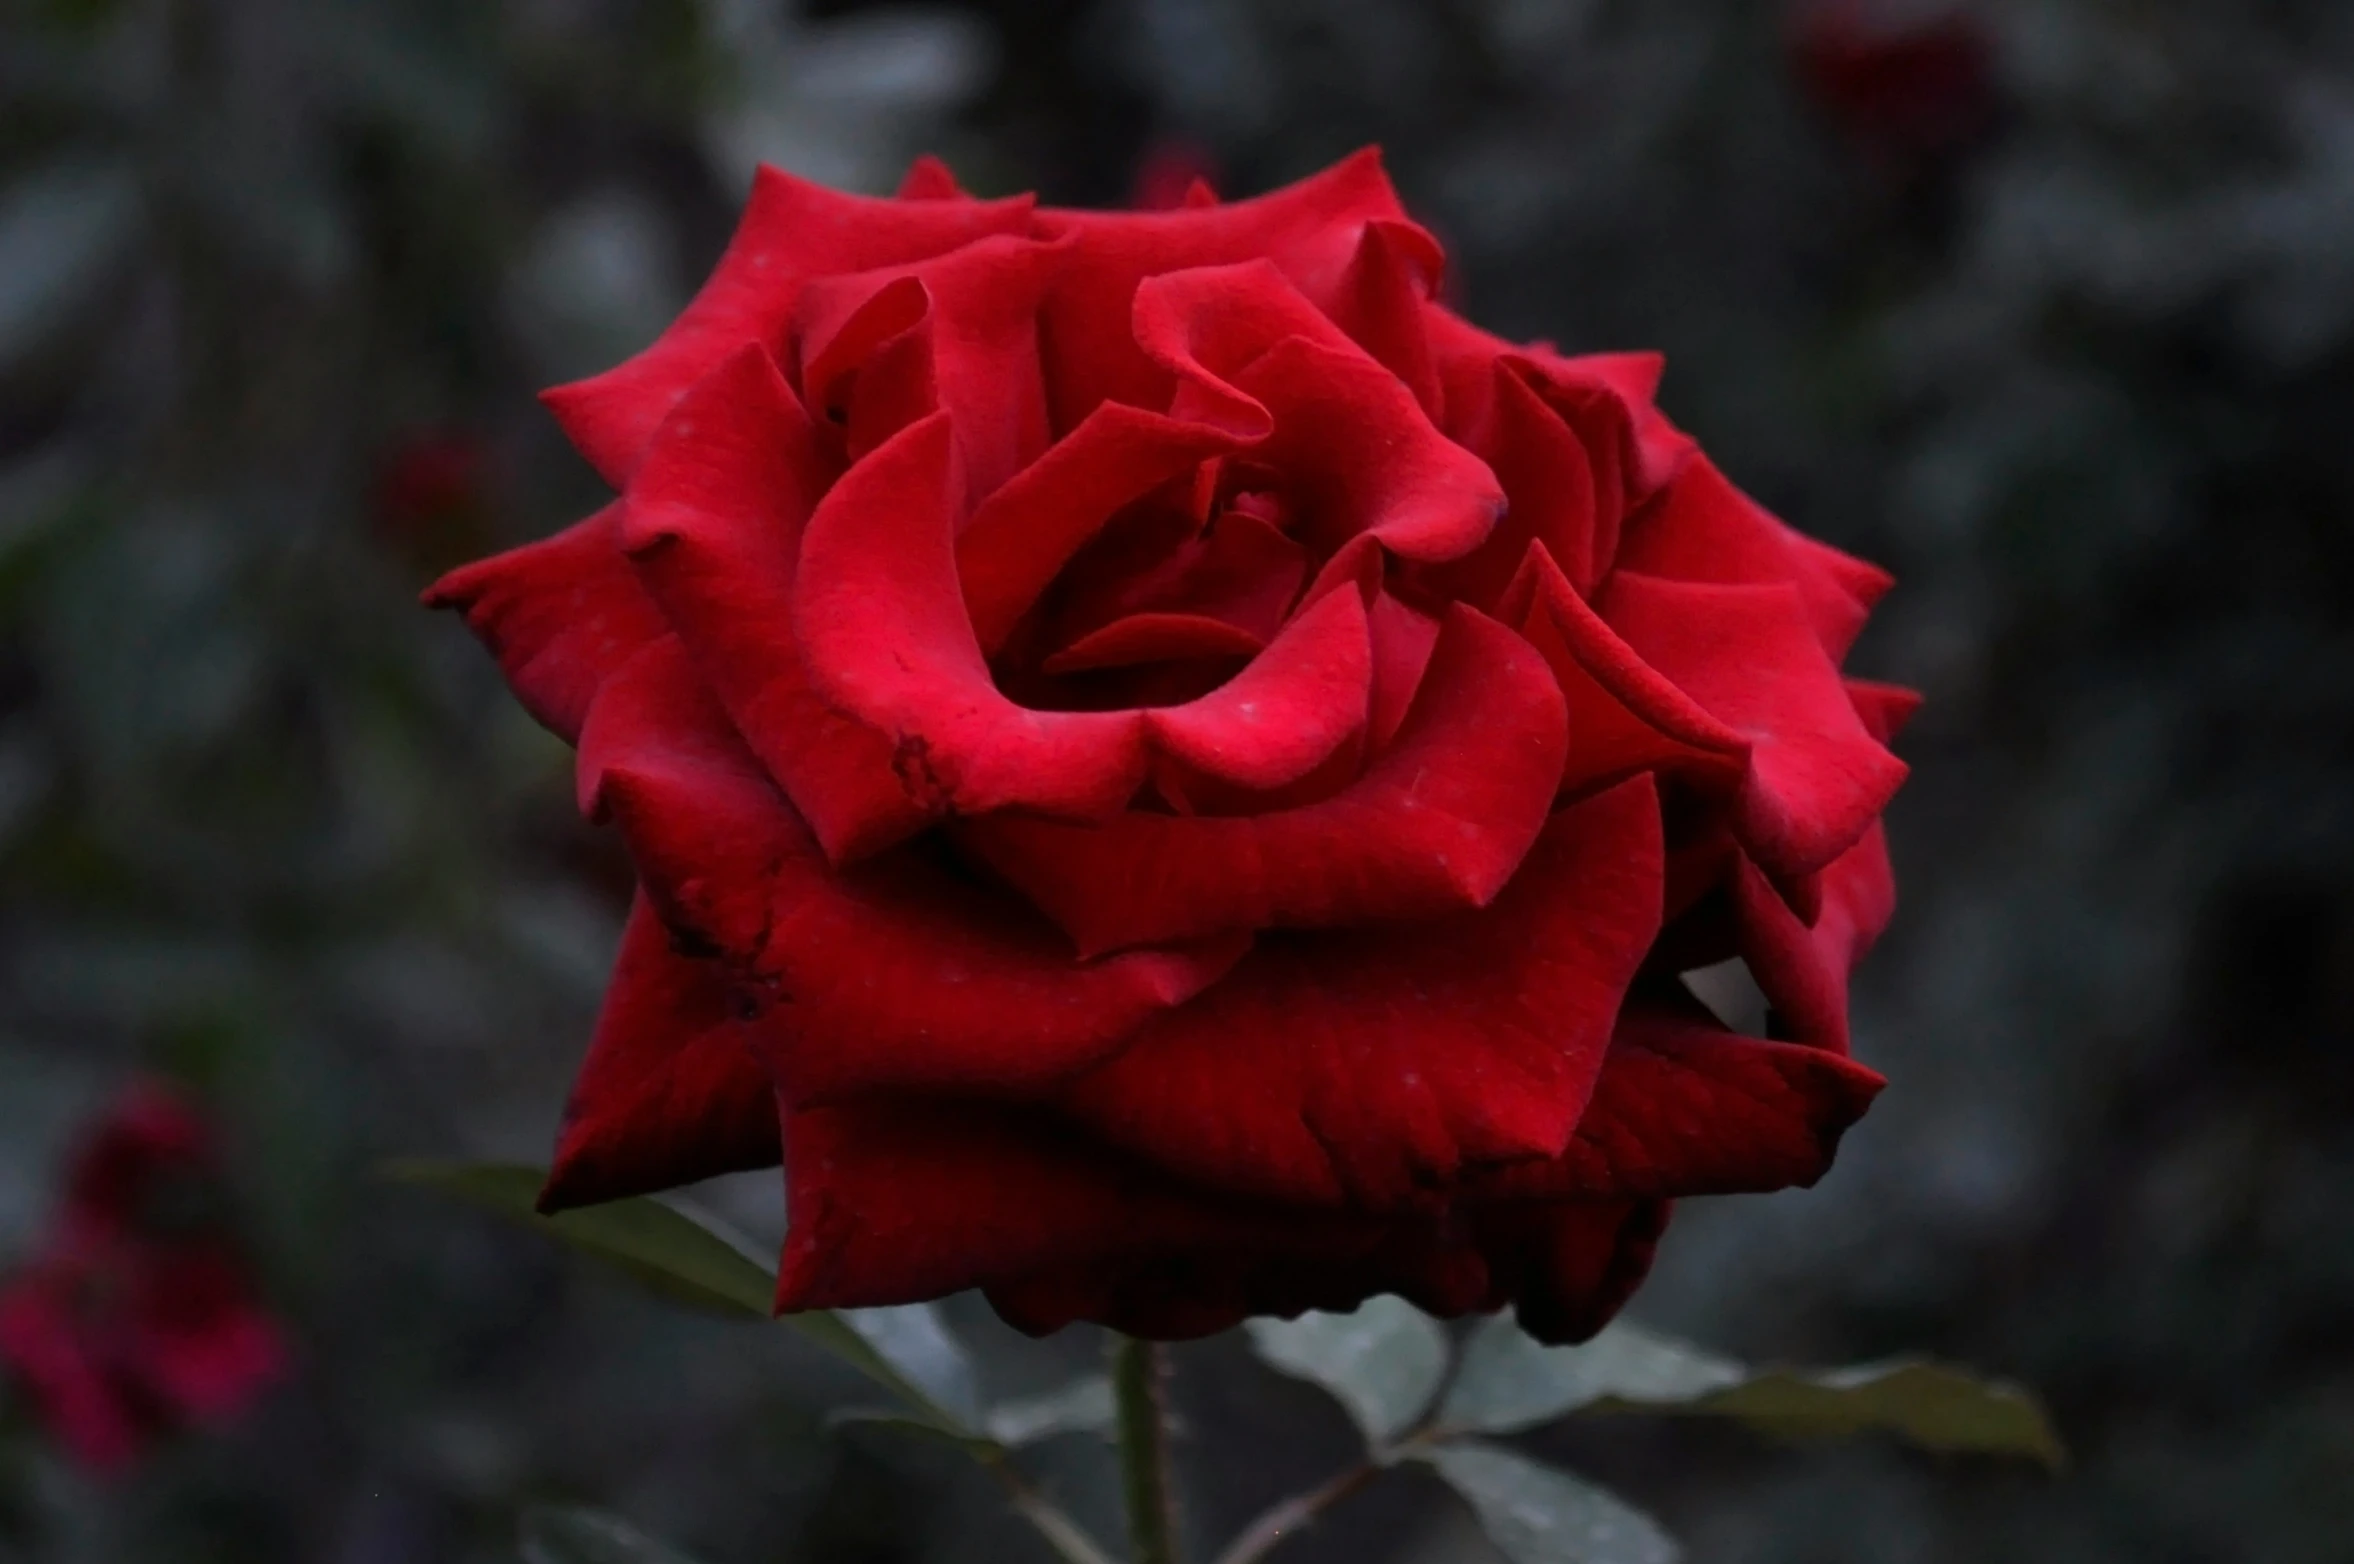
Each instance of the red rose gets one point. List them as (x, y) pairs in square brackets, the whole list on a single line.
[(1187, 773), (137, 1316)]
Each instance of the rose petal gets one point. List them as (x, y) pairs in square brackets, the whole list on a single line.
[(1604, 397), (929, 179), (1553, 500), (1568, 1265), (899, 1200), (792, 230), (1748, 656), (1022, 535), (714, 525), (1356, 450), (1396, 268), (1152, 638), (561, 616), (670, 1092), (1357, 453), (896, 974), (1309, 230), (1883, 709), (1438, 823), (1686, 1107), (886, 639), (975, 311), (1403, 640), (1624, 715), (1619, 387), (1804, 970), (895, 1200), (1241, 569), (1366, 1067), (1702, 528), (1284, 714)]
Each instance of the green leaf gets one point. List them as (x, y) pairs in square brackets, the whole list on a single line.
[(1932, 1405), (1383, 1362), (694, 1259), (1084, 1406), (980, 1446), (1537, 1515), (912, 1339), (1509, 1382), (685, 1256), (555, 1536)]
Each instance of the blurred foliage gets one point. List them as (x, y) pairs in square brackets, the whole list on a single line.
[(277, 281)]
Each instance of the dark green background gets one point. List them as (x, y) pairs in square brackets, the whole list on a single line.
[(2085, 382)]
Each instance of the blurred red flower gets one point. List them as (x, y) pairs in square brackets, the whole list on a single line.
[(433, 495), (426, 476), (1173, 174), (1904, 79), (137, 1316)]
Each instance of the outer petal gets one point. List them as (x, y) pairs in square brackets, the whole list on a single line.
[(1746, 655), (1568, 1264), (929, 179), (1624, 715), (671, 1092), (1702, 528), (714, 526), (1883, 709), (1364, 1068), (886, 639), (1685, 1107), (792, 231), (894, 1200), (561, 615), (1439, 822), (1309, 230), (1804, 970), (898, 974)]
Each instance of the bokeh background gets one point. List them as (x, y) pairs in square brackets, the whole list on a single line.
[(2047, 304)]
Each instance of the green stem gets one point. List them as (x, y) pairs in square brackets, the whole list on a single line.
[(1140, 1388)]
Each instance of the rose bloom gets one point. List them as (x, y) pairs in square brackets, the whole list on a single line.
[(1174, 778), (137, 1316)]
